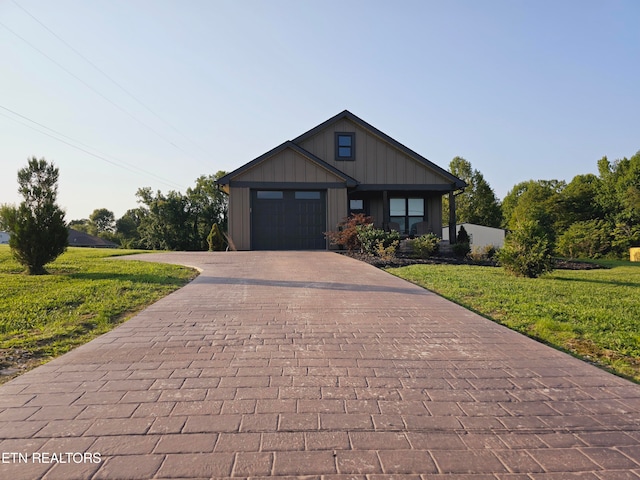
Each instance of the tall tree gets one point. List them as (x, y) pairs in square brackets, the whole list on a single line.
[(38, 230), (478, 203), (537, 201), (127, 227), (578, 201), (619, 198), (208, 206), (102, 221)]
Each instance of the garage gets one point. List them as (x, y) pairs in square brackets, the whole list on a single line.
[(288, 219)]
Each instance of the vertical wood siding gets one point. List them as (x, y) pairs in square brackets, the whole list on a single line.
[(377, 162), (337, 206), (288, 166), (240, 218)]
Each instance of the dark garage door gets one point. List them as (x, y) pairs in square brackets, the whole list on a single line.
[(288, 219)]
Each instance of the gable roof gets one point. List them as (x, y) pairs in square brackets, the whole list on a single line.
[(350, 182), (346, 114)]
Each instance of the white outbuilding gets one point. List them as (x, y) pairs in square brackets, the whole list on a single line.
[(479, 235)]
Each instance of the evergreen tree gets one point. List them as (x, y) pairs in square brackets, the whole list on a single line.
[(38, 230)]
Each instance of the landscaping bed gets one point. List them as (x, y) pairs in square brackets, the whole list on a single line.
[(404, 259)]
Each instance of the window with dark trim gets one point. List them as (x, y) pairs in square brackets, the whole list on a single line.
[(357, 205), (269, 195), (345, 146), (307, 195), (405, 213)]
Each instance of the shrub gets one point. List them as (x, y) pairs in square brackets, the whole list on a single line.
[(386, 253), (526, 251), (589, 239), (426, 245), (347, 234), (216, 240), (461, 249), (482, 254), (463, 236), (373, 240)]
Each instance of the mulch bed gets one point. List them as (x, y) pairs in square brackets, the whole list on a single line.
[(403, 260)]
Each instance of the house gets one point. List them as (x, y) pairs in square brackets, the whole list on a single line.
[(82, 239), (4, 238), (288, 197), (479, 235)]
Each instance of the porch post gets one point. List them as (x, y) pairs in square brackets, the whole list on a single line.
[(452, 218), (385, 210)]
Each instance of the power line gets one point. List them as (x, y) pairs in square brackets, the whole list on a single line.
[(118, 163), (94, 90), (74, 50)]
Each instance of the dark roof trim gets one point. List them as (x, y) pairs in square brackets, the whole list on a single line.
[(358, 121), (407, 187), (287, 185), (350, 182)]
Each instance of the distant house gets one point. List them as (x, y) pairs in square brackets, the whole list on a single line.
[(288, 197), (81, 239), (4, 237), (479, 235)]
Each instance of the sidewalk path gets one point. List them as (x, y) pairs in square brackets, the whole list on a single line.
[(311, 364)]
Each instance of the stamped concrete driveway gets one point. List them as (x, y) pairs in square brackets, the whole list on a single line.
[(312, 364)]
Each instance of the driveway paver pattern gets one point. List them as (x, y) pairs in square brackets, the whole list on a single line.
[(313, 365)]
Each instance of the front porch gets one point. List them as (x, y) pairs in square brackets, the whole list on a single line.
[(410, 212)]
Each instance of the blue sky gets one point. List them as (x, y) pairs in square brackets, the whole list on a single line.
[(522, 89)]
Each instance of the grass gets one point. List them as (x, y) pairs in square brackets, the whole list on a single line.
[(592, 314), (85, 295)]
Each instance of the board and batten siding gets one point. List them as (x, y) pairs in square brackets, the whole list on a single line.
[(337, 207), (240, 218), (288, 166), (376, 162)]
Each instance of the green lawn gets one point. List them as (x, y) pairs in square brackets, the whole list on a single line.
[(85, 295), (594, 314)]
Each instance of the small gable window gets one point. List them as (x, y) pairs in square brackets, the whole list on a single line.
[(345, 146)]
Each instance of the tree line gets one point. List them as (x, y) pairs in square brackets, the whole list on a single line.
[(591, 216), (171, 221)]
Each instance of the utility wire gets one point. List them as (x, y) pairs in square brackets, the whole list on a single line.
[(117, 163), (94, 90), (109, 77)]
